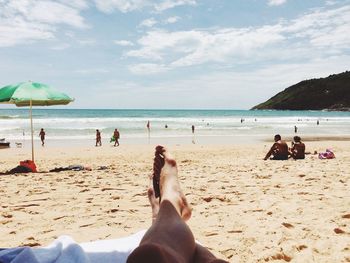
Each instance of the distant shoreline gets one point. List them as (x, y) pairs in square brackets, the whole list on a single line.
[(198, 140)]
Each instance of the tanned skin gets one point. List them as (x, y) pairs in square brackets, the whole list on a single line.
[(279, 149), (169, 239), (298, 149)]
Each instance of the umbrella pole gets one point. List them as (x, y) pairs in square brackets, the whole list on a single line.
[(31, 129)]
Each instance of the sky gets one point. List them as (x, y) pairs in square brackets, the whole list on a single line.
[(172, 54)]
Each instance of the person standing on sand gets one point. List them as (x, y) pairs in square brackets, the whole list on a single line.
[(295, 129), (42, 136), (279, 149), (193, 138), (149, 131), (116, 136), (98, 138)]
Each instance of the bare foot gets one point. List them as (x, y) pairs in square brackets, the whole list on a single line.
[(169, 185), (154, 204), (158, 164)]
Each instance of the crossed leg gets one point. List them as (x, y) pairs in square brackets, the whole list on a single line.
[(169, 239)]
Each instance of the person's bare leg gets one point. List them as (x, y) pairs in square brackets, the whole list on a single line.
[(154, 204), (170, 188), (169, 239)]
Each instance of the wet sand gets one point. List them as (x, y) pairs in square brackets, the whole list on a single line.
[(244, 209)]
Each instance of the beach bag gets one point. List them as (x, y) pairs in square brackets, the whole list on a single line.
[(29, 164), (329, 154)]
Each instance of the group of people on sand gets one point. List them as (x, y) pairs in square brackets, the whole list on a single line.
[(281, 151), (115, 138)]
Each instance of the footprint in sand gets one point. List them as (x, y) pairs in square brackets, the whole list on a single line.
[(280, 256), (287, 225), (339, 231), (7, 215), (301, 247), (346, 216)]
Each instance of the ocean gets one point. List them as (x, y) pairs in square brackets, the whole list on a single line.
[(211, 126)]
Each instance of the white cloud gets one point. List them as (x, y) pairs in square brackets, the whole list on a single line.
[(148, 22), (172, 20), (168, 4), (276, 2), (108, 6), (331, 3), (16, 30), (317, 34), (47, 12), (198, 47), (30, 20), (79, 4), (123, 43)]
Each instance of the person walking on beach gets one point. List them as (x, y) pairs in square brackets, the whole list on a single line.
[(98, 138), (295, 129), (116, 136), (279, 149), (149, 131), (42, 136), (193, 139)]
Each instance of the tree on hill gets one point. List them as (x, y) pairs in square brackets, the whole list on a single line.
[(331, 93)]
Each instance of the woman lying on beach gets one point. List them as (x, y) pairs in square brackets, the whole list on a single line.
[(169, 239)]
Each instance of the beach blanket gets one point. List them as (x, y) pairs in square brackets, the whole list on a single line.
[(65, 250)]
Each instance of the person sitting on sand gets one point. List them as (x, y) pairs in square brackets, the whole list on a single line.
[(279, 149), (298, 149), (169, 239)]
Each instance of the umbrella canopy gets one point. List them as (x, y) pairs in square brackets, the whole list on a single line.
[(32, 94), (37, 94)]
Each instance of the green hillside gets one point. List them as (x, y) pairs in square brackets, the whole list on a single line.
[(331, 93)]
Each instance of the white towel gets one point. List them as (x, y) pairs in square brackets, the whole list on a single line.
[(65, 250)]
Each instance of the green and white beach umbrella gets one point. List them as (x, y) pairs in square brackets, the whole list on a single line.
[(32, 94)]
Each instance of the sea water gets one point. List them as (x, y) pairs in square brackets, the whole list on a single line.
[(220, 126)]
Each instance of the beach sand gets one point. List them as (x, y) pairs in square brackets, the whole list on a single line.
[(244, 209)]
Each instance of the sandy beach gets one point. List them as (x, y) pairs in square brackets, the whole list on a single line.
[(244, 209)]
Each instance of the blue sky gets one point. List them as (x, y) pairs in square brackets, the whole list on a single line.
[(202, 54)]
